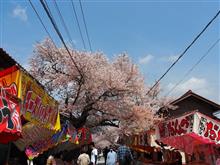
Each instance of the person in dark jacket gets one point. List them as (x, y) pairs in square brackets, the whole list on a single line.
[(124, 154), (105, 153)]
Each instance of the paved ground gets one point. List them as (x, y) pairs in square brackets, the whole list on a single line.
[(101, 160)]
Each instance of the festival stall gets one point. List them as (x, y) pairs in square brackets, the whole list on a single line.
[(39, 144), (24, 100), (29, 116), (139, 142), (143, 151), (190, 133), (75, 138)]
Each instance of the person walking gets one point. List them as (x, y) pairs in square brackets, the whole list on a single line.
[(94, 154), (105, 153), (51, 160), (111, 157), (83, 159), (124, 154)]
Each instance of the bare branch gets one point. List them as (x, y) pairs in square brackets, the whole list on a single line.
[(58, 71)]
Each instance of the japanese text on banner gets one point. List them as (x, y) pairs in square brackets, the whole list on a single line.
[(38, 106), (9, 102)]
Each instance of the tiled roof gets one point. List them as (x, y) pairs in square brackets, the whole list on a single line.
[(192, 94)]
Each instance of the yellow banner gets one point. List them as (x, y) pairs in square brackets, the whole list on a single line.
[(10, 81), (24, 93), (38, 106)]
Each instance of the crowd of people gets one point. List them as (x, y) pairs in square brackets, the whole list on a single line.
[(89, 156), (113, 155), (121, 155)]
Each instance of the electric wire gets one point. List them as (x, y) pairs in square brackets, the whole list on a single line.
[(77, 20), (59, 34), (63, 23), (41, 21), (193, 67), (84, 21), (184, 52)]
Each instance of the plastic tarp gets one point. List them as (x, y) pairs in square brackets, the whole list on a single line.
[(188, 131), (32, 133)]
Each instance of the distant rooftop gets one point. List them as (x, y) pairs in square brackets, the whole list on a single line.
[(190, 93)]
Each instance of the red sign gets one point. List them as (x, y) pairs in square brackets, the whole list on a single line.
[(9, 113), (176, 127), (209, 129)]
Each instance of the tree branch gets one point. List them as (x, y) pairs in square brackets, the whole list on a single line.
[(58, 71), (106, 122), (80, 82), (103, 113)]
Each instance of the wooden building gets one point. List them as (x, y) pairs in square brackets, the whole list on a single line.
[(189, 102)]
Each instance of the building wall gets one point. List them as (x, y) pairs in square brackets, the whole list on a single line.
[(191, 104)]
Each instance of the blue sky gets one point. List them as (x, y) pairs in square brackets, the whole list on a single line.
[(153, 33)]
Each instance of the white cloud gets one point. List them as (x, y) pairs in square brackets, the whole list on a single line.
[(197, 85), (146, 59), (171, 58), (19, 12)]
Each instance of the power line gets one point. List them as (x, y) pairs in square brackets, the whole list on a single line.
[(193, 67), (41, 21), (182, 54), (77, 20), (49, 11), (58, 33), (84, 21), (63, 23)]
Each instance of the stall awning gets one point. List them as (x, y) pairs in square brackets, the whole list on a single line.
[(37, 139), (189, 130)]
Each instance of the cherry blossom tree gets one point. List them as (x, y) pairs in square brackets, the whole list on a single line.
[(94, 91)]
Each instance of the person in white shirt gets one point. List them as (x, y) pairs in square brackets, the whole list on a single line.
[(30, 162), (111, 157), (94, 154)]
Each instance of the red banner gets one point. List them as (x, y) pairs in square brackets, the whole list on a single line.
[(10, 124), (176, 127), (208, 128)]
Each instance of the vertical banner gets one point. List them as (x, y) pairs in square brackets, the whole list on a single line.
[(208, 128), (38, 106), (10, 124)]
